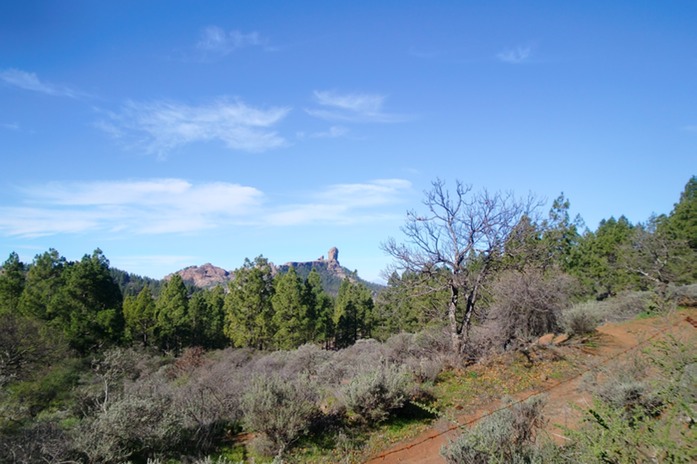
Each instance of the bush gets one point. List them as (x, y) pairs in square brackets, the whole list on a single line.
[(580, 319), (627, 305), (527, 304), (685, 295), (131, 427), (41, 441), (345, 364), (369, 397), (635, 419), (280, 409), (508, 436)]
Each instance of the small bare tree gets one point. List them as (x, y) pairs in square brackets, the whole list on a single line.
[(456, 245)]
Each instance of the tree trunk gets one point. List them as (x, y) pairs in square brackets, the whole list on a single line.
[(455, 337)]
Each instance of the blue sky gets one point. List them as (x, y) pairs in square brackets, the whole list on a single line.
[(174, 133)]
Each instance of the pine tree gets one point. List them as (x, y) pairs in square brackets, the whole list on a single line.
[(353, 313), (12, 278), (597, 261), (289, 311), (248, 308), (43, 283), (139, 315), (319, 309), (90, 304), (173, 324), (682, 222)]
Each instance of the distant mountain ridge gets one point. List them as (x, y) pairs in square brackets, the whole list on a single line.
[(330, 270)]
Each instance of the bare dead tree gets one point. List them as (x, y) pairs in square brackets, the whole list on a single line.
[(456, 244)]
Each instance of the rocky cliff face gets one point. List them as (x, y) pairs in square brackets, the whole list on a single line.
[(205, 276), (330, 270)]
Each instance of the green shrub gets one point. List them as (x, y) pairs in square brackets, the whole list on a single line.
[(369, 397), (581, 319), (633, 419), (508, 436), (280, 409), (131, 427)]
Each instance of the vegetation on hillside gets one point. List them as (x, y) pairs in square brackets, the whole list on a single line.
[(97, 365)]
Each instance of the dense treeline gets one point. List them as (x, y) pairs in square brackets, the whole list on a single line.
[(84, 302), (85, 347)]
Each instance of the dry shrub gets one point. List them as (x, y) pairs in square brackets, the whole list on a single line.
[(190, 359), (345, 364), (508, 436), (131, 426), (581, 319), (625, 386), (626, 305), (527, 304), (370, 397), (685, 295), (42, 441), (306, 360), (421, 353), (280, 409)]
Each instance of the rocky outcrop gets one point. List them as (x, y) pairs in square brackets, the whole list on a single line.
[(331, 273), (204, 276)]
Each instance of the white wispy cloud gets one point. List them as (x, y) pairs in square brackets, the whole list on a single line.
[(30, 81), (516, 55), (331, 133), (343, 204), (12, 126), (161, 126), (691, 128), (164, 206), (157, 206), (217, 41), (352, 107)]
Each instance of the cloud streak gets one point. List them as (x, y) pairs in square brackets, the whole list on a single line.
[(161, 126), (343, 204), (30, 81), (215, 41), (517, 55), (128, 207), (352, 107), (175, 206)]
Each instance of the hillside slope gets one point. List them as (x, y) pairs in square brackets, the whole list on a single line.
[(616, 344)]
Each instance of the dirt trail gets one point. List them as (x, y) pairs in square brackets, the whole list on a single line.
[(616, 340)]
